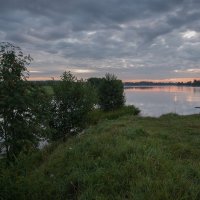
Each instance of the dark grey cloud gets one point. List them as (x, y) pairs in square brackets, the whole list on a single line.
[(137, 39)]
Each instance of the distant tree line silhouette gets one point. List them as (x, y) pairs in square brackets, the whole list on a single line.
[(194, 83)]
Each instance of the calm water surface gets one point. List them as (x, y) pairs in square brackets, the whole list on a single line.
[(155, 101)]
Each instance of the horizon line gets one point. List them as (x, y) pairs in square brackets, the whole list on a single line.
[(167, 80)]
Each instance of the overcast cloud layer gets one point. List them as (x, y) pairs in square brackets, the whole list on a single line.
[(135, 39)]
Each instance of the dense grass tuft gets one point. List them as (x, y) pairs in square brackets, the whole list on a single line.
[(98, 115)]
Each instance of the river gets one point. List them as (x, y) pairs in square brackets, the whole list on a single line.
[(155, 101)]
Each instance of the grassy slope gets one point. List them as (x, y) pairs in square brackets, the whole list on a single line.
[(127, 158)]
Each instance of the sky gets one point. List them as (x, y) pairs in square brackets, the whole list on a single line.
[(133, 39)]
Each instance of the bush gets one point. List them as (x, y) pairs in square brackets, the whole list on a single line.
[(22, 107), (73, 99), (111, 93)]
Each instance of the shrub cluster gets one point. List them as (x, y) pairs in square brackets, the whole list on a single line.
[(31, 112), (110, 92)]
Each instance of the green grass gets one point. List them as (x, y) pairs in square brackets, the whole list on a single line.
[(125, 158), (98, 115), (48, 90)]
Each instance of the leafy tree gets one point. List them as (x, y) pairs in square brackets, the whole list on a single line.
[(96, 82), (111, 93), (72, 102), (21, 107)]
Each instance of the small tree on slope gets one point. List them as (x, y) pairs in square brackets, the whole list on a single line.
[(20, 119), (111, 93), (73, 100)]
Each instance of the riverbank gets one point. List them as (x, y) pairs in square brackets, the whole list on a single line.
[(129, 157)]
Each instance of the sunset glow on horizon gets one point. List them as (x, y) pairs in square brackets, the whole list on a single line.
[(184, 80), (174, 80)]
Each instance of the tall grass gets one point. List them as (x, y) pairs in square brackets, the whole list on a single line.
[(125, 158), (98, 115)]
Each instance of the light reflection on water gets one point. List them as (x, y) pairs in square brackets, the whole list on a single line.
[(155, 101)]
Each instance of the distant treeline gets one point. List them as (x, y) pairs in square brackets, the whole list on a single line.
[(195, 83)]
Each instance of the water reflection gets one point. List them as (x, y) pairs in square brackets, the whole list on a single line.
[(155, 101)]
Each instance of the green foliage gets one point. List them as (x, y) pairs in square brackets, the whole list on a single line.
[(111, 93), (98, 115), (21, 105), (48, 90), (73, 99), (96, 82)]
